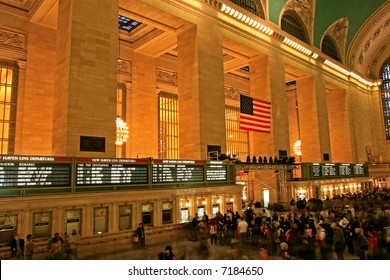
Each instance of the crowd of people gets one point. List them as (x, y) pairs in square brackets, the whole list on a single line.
[(300, 233), (356, 226)]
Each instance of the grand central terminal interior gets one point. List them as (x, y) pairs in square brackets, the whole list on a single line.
[(115, 113)]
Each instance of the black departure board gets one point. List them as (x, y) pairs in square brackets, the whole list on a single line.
[(345, 170), (17, 171), (316, 170), (333, 170), (111, 171), (216, 171), (172, 171), (328, 170), (360, 169)]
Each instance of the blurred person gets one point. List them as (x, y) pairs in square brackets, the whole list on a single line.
[(360, 244), (213, 233), (242, 230), (56, 238), (338, 241), (74, 240), (17, 247), (28, 248), (168, 255), (141, 235), (263, 254)]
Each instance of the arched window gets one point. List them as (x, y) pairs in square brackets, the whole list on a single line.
[(253, 6), (385, 89), (292, 24), (8, 94), (329, 48)]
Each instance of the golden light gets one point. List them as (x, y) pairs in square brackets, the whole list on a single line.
[(297, 148), (122, 131)]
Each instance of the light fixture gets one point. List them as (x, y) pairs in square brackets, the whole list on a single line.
[(297, 148), (122, 131), (218, 200), (188, 204), (244, 197), (231, 199), (204, 201)]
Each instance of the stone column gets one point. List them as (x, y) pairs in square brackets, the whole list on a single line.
[(143, 113), (313, 119), (267, 82), (339, 126), (87, 53), (201, 91)]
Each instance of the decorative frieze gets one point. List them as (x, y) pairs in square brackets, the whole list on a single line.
[(124, 66), (167, 77), (234, 93), (12, 39)]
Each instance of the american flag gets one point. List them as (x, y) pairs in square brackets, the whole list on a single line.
[(255, 114)]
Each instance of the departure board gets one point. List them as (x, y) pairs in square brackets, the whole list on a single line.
[(316, 170), (328, 170), (345, 170), (360, 169), (111, 171), (333, 170), (17, 171), (172, 171), (216, 171)]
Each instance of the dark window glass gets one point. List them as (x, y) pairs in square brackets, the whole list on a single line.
[(292, 24)]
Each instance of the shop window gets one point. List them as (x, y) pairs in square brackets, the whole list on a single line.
[(100, 220), (147, 214), (42, 225), (167, 212), (125, 220), (73, 221)]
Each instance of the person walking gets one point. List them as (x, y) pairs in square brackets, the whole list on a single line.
[(28, 248), (338, 241), (141, 235), (74, 241), (17, 247)]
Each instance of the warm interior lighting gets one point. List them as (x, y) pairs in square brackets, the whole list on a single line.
[(231, 199), (122, 131), (204, 201), (297, 148), (218, 200)]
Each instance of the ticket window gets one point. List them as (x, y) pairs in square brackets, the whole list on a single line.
[(125, 217), (215, 209), (42, 225), (167, 212), (73, 221), (8, 226), (200, 212), (184, 215), (100, 220), (147, 214), (229, 206)]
